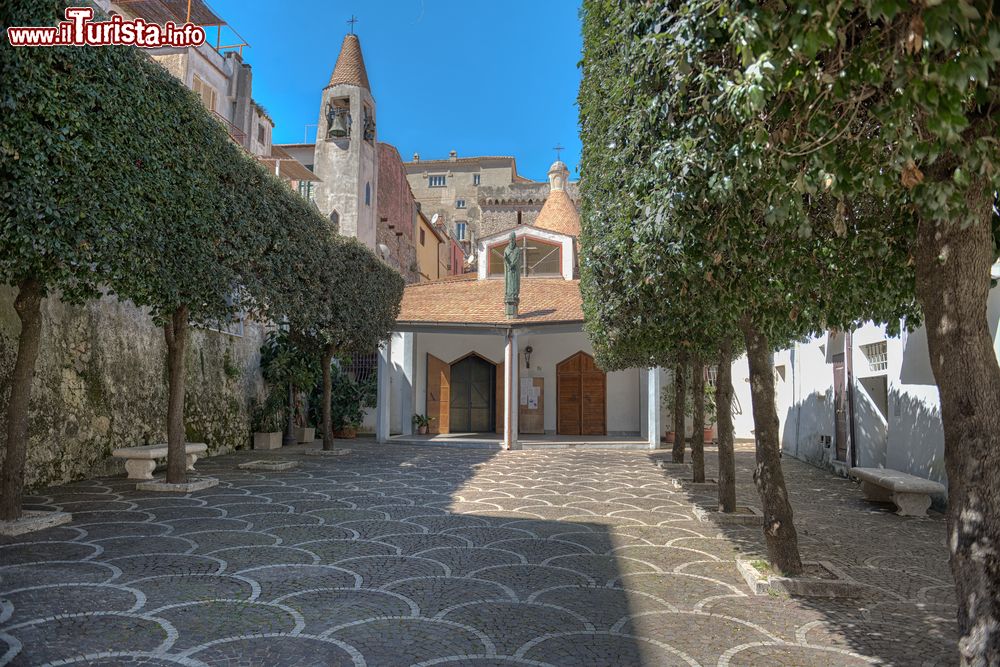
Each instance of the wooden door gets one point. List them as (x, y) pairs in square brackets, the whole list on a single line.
[(500, 381), (581, 397), (840, 406), (438, 395), (472, 408)]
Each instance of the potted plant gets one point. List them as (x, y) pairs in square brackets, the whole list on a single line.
[(667, 400), (285, 364), (267, 419), (349, 399), (422, 422), (709, 412)]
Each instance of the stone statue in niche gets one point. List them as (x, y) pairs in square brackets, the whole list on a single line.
[(338, 122), (512, 276)]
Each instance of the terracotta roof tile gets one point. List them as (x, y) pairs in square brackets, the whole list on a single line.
[(350, 68), (466, 300), (559, 214)]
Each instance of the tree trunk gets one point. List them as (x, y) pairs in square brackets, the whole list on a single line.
[(327, 395), (680, 377), (953, 282), (698, 421), (28, 307), (724, 424), (779, 532), (176, 332)]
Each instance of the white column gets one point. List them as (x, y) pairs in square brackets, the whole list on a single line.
[(643, 404), (407, 390), (382, 392), (510, 392), (653, 408)]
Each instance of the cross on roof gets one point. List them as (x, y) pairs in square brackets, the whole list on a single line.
[(558, 148), (352, 21)]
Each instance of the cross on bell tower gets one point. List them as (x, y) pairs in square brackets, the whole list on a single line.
[(558, 148), (351, 21)]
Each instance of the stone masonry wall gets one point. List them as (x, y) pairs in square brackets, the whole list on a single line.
[(396, 213), (100, 383)]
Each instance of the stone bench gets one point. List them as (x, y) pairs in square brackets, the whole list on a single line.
[(140, 462), (911, 494)]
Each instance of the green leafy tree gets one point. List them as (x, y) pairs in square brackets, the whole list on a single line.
[(354, 313), (686, 246), (901, 101), (61, 193), (115, 178)]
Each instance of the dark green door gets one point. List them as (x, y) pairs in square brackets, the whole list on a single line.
[(472, 396)]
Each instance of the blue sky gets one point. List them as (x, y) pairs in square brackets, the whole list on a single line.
[(476, 76)]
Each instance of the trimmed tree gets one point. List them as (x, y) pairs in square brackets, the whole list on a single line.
[(702, 237), (355, 313), (901, 101), (62, 192)]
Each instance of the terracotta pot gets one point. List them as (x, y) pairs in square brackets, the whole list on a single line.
[(421, 430), (708, 435), (669, 437), (346, 433)]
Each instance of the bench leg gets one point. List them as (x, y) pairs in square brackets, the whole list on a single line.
[(876, 492), (191, 458), (911, 504), (140, 468)]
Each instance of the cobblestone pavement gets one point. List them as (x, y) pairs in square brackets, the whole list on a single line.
[(402, 555)]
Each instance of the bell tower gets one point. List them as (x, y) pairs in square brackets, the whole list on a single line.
[(346, 158)]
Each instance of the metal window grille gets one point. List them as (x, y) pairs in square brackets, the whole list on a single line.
[(362, 367), (877, 355)]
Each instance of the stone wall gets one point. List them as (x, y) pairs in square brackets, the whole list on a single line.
[(500, 205), (396, 213), (100, 383)]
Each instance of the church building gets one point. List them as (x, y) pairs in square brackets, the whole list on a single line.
[(488, 376)]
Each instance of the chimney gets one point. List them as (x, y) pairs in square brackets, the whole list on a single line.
[(416, 157), (453, 155)]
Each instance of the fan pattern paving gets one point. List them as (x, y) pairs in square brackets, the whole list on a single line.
[(429, 556)]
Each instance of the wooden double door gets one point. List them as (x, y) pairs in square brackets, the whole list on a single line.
[(581, 401), (464, 396)]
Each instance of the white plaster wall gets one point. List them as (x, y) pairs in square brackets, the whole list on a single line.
[(623, 401), (742, 407)]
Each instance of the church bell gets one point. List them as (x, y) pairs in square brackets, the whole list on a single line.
[(339, 124)]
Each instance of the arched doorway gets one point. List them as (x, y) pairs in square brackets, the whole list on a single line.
[(472, 406), (581, 397)]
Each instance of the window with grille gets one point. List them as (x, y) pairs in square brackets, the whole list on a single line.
[(361, 367), (436, 181), (877, 355)]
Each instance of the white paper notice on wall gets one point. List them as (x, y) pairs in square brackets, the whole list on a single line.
[(526, 387)]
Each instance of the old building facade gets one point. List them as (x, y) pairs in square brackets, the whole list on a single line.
[(477, 196)]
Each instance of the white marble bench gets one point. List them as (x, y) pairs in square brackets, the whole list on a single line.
[(140, 462), (911, 494)]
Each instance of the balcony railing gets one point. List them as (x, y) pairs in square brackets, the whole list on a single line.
[(235, 133)]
